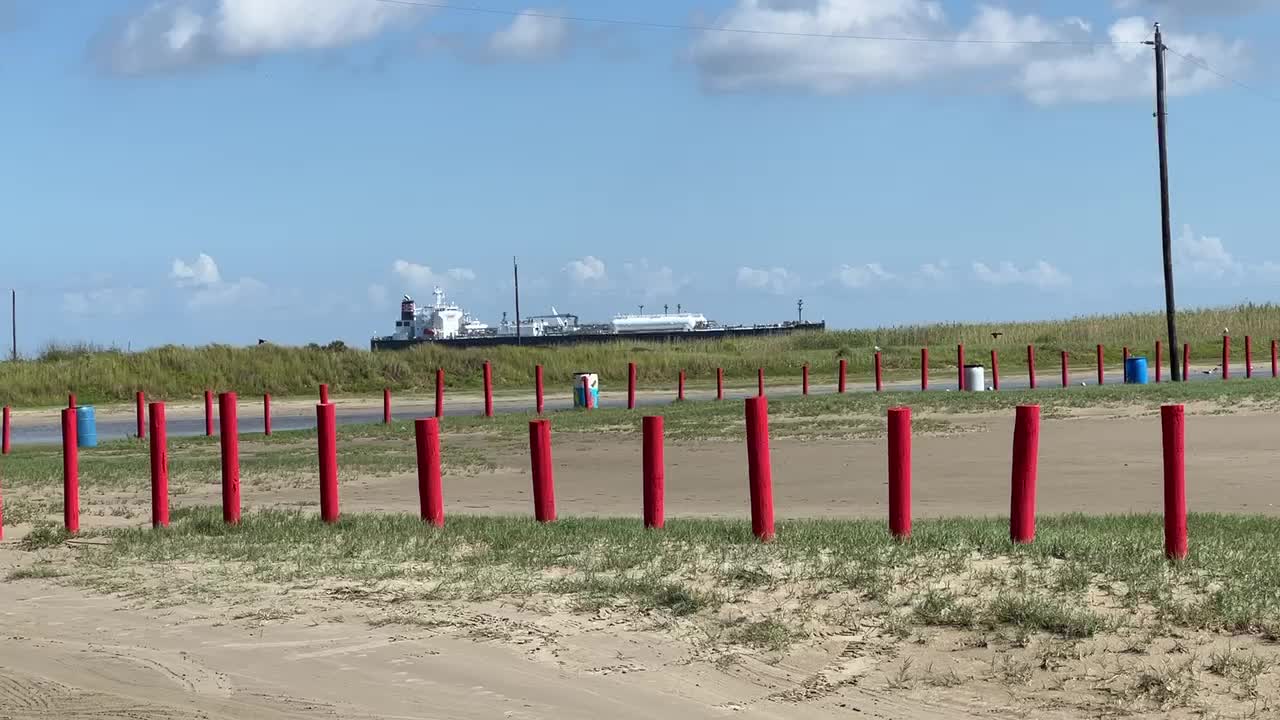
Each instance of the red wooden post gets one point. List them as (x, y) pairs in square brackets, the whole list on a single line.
[(266, 413), (539, 405), (653, 472), (900, 472), (844, 371), (631, 386), (426, 435), (1226, 357), (759, 468), (804, 379), (71, 400), (159, 468), (327, 445), (386, 406), (586, 392), (1159, 347), (1065, 379), (879, 373), (141, 400), (488, 389), (680, 387), (439, 392), (960, 364), (230, 458), (4, 432), (1124, 364), (544, 494), (1101, 377), (995, 370), (70, 472), (324, 394), (1031, 366), (208, 413), (1248, 357), (760, 381), (1275, 361), (1026, 453), (1173, 425), (1186, 361), (719, 383), (924, 368)]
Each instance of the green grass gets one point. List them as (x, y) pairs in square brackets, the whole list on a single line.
[(172, 373)]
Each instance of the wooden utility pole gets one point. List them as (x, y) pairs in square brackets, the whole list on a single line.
[(515, 269), (1176, 371)]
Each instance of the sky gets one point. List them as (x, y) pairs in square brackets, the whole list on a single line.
[(196, 171)]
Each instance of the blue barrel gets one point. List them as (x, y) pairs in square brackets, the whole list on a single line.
[(1135, 371), (86, 427)]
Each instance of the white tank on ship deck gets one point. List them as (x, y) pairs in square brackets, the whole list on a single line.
[(672, 322)]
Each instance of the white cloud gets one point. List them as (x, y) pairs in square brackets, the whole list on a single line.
[(1205, 256), (530, 37), (1041, 275), (104, 301), (378, 295), (422, 277), (935, 271), (861, 276), (171, 34), (653, 282), (244, 289), (462, 274), (774, 280), (1045, 74), (590, 270), (201, 272)]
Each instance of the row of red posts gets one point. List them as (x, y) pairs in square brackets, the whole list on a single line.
[(1026, 443)]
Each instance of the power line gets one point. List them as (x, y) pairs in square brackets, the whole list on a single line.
[(1205, 66), (744, 31)]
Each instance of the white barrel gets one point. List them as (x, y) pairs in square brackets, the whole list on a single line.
[(975, 378), (593, 387)]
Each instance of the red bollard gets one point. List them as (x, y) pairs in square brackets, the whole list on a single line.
[(1248, 357), (544, 493), (844, 371), (4, 432), (924, 368), (1159, 347), (1275, 362), (488, 389), (680, 387), (70, 472), (1124, 364), (327, 442), (142, 415), (900, 472), (1226, 357), (386, 406), (71, 400), (1026, 454), (631, 386), (586, 392), (324, 394), (879, 363), (426, 435), (653, 469), (439, 392), (804, 379), (159, 468), (208, 413), (719, 383), (1065, 379), (1102, 378), (1173, 425), (1186, 361), (760, 381), (960, 364), (759, 468), (995, 370), (230, 458), (538, 396), (266, 413), (1031, 366)]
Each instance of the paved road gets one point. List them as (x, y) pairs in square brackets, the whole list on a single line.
[(282, 419)]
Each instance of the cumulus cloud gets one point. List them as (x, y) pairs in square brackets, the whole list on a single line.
[(590, 270), (861, 276), (935, 271), (104, 301), (1041, 275), (201, 272), (173, 34), (531, 36), (1045, 74), (422, 277), (203, 278), (774, 280), (652, 282)]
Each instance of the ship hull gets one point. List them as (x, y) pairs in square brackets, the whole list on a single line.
[(587, 338)]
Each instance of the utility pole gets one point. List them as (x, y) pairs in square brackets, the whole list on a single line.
[(1175, 370), (800, 310), (13, 317), (515, 269)]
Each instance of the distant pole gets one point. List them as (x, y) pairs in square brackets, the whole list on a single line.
[(13, 317), (800, 311), (1175, 371), (515, 270)]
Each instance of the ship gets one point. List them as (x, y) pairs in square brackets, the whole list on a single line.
[(447, 324)]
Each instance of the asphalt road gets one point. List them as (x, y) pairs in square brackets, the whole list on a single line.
[(118, 427)]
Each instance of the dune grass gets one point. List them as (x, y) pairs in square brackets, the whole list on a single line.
[(172, 373)]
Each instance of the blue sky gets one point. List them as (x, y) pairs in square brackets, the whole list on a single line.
[(223, 170)]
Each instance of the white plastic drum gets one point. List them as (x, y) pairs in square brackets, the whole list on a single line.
[(975, 378)]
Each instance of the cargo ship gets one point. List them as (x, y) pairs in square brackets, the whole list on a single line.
[(448, 325)]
